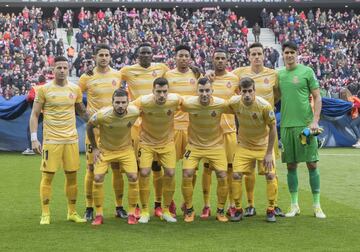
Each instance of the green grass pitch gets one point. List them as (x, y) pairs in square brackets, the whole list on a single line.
[(340, 176)]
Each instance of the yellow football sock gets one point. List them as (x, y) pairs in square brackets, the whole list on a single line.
[(222, 192), (271, 189), (144, 192), (133, 195), (71, 190), (230, 178), (45, 191), (157, 181), (98, 194), (236, 188), (168, 191), (89, 179), (250, 188), (187, 191), (194, 180), (277, 191), (118, 186), (206, 185)]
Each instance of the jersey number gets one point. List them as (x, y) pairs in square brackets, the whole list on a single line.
[(89, 148), (139, 153), (187, 154)]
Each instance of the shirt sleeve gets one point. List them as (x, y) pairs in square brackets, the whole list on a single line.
[(312, 80), (96, 118), (82, 83), (78, 96), (269, 115), (39, 95)]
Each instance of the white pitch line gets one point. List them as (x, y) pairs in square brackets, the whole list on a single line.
[(351, 155)]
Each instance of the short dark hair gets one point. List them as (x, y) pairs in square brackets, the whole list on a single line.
[(220, 50), (203, 81), (255, 44), (100, 47), (182, 47), (145, 44), (120, 92), (161, 82), (289, 44), (42, 78), (60, 58), (246, 82)]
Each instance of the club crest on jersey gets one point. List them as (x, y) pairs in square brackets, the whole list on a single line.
[(154, 74), (266, 81), (114, 83), (228, 85), (296, 80), (213, 114), (71, 96), (254, 116), (129, 125), (271, 114), (169, 112), (192, 81)]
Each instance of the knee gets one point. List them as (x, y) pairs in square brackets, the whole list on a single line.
[(311, 166), (291, 166), (170, 172), (237, 176), (188, 173), (270, 176), (132, 177), (144, 172), (99, 178), (221, 174)]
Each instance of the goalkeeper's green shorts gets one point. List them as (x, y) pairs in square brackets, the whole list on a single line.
[(293, 151)]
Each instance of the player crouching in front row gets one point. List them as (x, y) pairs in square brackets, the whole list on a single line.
[(115, 145)]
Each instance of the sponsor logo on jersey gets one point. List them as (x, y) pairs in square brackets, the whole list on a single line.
[(72, 96), (266, 81), (213, 114), (192, 81), (296, 80), (228, 85), (271, 114), (169, 112), (154, 74), (114, 83), (254, 116), (129, 125)]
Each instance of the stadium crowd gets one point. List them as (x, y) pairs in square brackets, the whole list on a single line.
[(328, 42)]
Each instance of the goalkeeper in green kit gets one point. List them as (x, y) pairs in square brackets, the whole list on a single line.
[(299, 125)]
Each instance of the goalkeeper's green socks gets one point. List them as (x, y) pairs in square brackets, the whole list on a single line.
[(292, 180), (314, 177)]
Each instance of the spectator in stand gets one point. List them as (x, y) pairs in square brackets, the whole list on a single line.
[(256, 30)]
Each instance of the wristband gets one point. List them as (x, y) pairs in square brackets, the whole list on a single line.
[(34, 137)]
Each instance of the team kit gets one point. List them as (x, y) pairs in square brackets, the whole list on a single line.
[(145, 119)]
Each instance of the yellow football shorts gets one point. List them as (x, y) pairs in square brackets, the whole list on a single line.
[(245, 161), (181, 140), (216, 157), (60, 155), (125, 157), (89, 147), (230, 142), (165, 154)]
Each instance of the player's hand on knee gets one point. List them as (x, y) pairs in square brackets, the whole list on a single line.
[(36, 146), (268, 162)]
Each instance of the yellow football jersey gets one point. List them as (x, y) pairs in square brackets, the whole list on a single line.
[(264, 81), (115, 130), (157, 126), (182, 84), (59, 112), (254, 122), (99, 88), (224, 87), (204, 121), (140, 80)]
